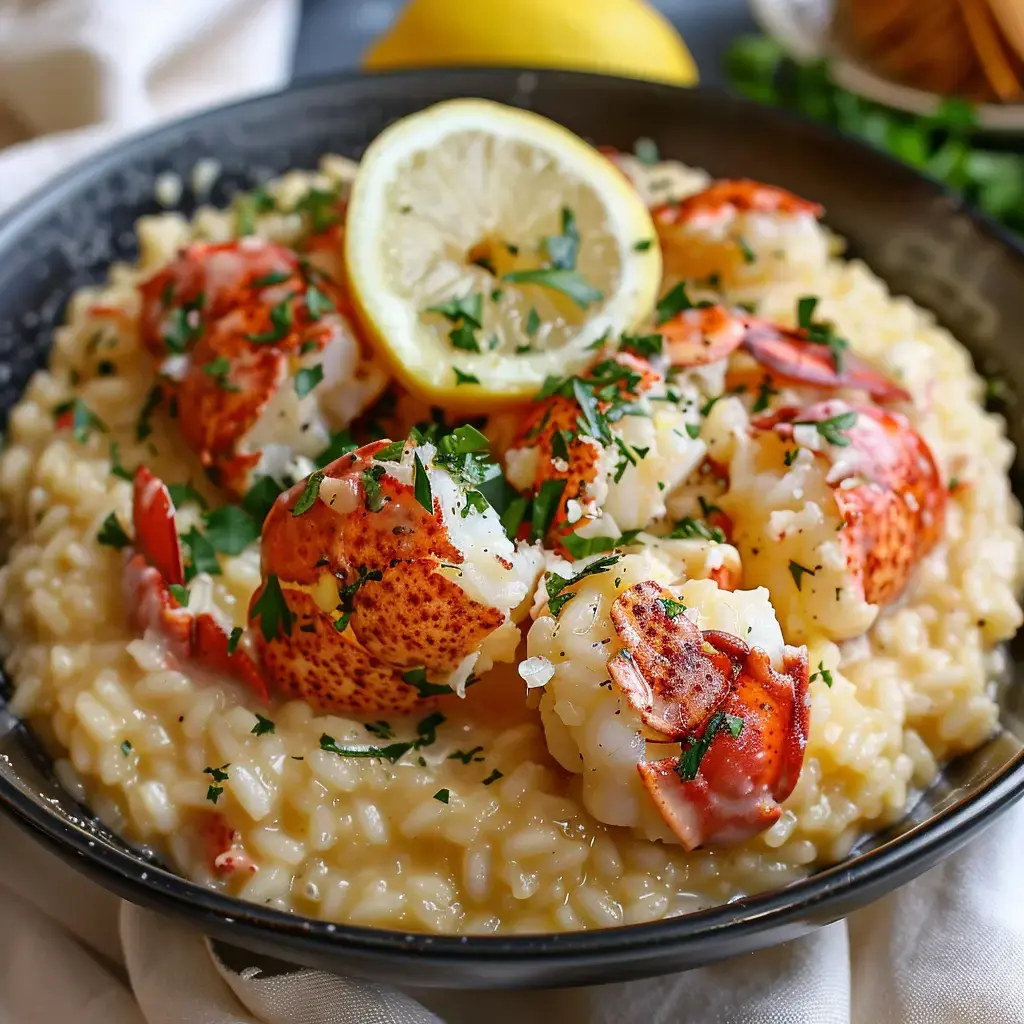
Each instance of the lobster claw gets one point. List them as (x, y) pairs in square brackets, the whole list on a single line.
[(744, 724)]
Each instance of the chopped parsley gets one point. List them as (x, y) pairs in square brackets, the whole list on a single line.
[(233, 639), (442, 795), (646, 151), (688, 528), (381, 729), (823, 674), (320, 208), (461, 377), (532, 322), (282, 319), (391, 453), (672, 303), (798, 571), (218, 369), (426, 734), (218, 775), (628, 456), (417, 678), (569, 282), (493, 777), (182, 494), (820, 332), (693, 430), (562, 250), (269, 280), (201, 556), (180, 593), (765, 392), (832, 428), (112, 534), (642, 344), (583, 547), (80, 418), (230, 529), (309, 494), (465, 756), (185, 325), (370, 479), (317, 303), (115, 463), (643, 245), (144, 427), (421, 484), (694, 749), (126, 747), (261, 496), (469, 308), (274, 614), (262, 726), (746, 252), (347, 595), (557, 586), (341, 443), (671, 607), (545, 506), (307, 378)]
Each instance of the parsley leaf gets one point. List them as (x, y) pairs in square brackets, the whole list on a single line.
[(182, 494), (262, 726), (672, 303), (545, 505), (317, 303), (798, 571), (115, 463), (274, 614), (230, 529), (307, 378), (556, 585), (569, 282), (421, 484), (233, 639), (442, 795), (583, 547), (261, 496), (671, 607), (693, 749), (179, 593), (112, 533), (824, 674), (340, 444), (417, 678), (144, 427), (82, 418), (493, 777), (282, 319), (532, 322), (370, 479), (642, 344), (464, 378), (563, 250), (309, 494), (201, 556), (832, 428), (687, 529), (469, 308)]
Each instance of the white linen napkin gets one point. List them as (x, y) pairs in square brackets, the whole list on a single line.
[(946, 949)]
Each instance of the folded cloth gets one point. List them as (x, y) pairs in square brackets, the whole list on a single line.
[(945, 949)]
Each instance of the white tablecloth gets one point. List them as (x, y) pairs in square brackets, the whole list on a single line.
[(946, 949)]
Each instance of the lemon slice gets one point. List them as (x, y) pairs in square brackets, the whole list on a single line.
[(487, 248)]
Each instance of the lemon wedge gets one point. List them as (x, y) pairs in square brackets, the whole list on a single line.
[(488, 248), (618, 37)]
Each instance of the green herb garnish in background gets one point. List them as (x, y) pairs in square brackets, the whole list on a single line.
[(939, 144)]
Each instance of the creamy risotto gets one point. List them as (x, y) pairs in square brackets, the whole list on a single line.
[(686, 626)]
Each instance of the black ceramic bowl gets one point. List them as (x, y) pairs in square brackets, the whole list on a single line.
[(910, 231)]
